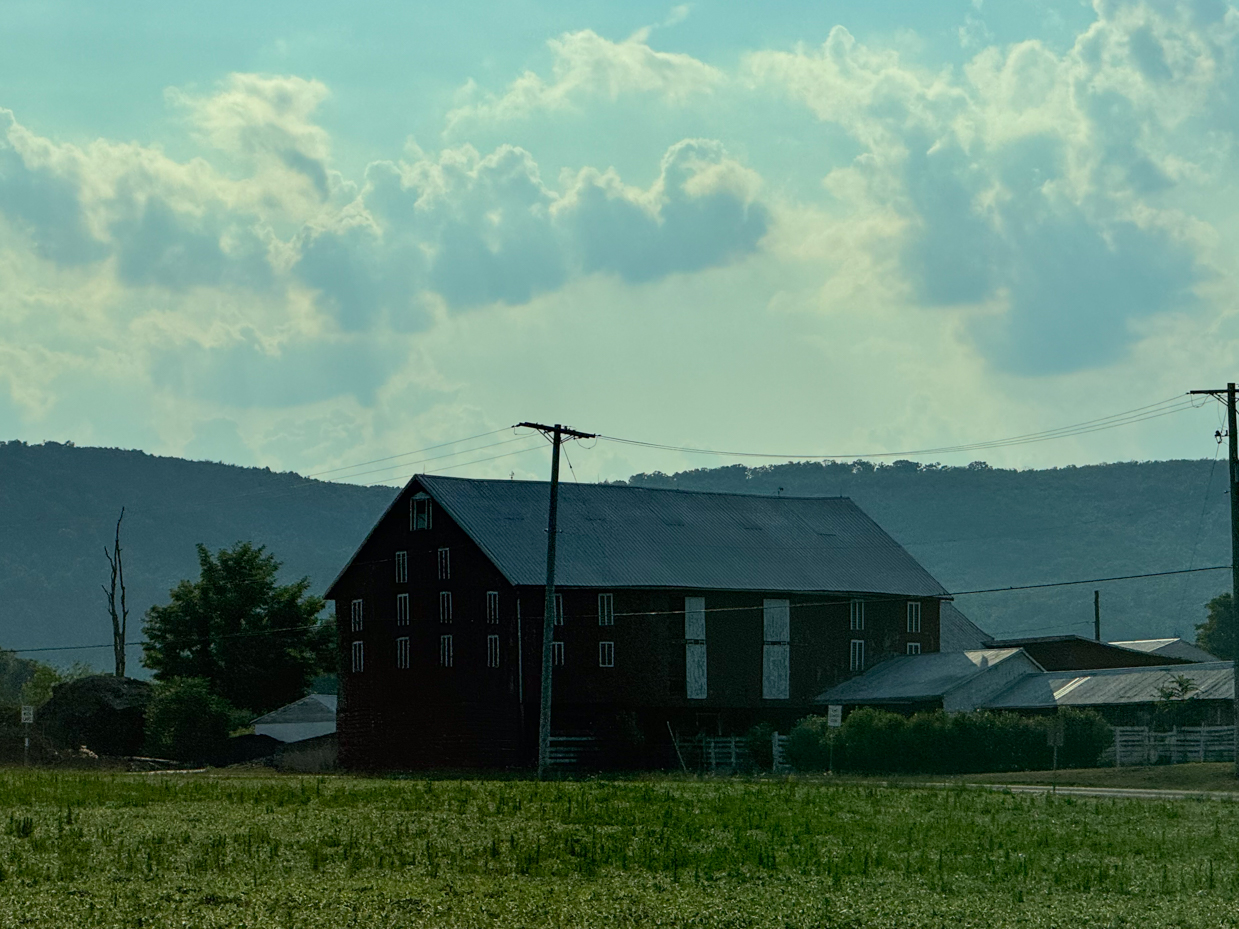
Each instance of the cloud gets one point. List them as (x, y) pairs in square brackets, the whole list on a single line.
[(586, 66), (1033, 186)]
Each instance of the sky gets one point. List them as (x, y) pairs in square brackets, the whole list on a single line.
[(333, 238)]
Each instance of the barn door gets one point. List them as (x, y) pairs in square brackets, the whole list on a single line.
[(695, 647), (776, 649)]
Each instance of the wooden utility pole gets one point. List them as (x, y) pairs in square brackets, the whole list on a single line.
[(1233, 435), (1097, 615), (556, 434)]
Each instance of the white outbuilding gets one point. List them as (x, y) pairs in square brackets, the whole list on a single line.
[(307, 718)]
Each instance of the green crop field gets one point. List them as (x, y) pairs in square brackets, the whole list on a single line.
[(92, 849)]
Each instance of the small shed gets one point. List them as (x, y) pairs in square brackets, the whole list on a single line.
[(951, 681), (1076, 653), (306, 718)]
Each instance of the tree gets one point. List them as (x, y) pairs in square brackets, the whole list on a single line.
[(258, 644), (120, 619), (1216, 634), (186, 721)]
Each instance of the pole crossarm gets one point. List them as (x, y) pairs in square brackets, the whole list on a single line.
[(562, 430)]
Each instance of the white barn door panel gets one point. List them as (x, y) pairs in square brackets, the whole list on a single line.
[(776, 650), (695, 647)]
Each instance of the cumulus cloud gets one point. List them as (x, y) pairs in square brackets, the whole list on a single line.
[(587, 66), (1033, 184)]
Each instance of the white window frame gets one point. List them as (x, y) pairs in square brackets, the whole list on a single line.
[(914, 648), (445, 606), (402, 653), (445, 563), (359, 657), (606, 609), (492, 606), (914, 615), (402, 609), (402, 567), (857, 615), (357, 612), (419, 520), (857, 655), (445, 651), (776, 655), (559, 609), (557, 654), (606, 654), (492, 651)]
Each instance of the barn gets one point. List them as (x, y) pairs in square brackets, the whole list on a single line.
[(677, 614)]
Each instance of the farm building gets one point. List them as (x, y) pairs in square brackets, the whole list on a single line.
[(307, 718), (1074, 652), (1168, 648), (676, 613)]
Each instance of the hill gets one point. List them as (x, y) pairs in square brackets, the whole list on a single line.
[(978, 527), (972, 527), (58, 509)]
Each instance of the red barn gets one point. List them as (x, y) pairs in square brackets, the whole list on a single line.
[(676, 612)]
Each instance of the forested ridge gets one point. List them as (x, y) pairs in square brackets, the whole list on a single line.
[(972, 527)]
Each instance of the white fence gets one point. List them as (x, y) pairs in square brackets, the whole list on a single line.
[(731, 753), (1136, 745)]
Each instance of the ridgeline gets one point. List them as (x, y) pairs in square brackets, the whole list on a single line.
[(972, 527)]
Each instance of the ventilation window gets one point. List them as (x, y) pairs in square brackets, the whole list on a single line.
[(492, 606), (359, 657), (914, 648), (606, 609), (492, 651), (402, 567), (914, 616), (445, 606), (557, 654), (402, 609), (357, 610), (445, 651), (445, 564), (559, 609), (858, 655), (606, 654), (402, 653), (858, 615), (419, 512)]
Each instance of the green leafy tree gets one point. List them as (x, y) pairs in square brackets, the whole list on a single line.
[(186, 721), (256, 642), (1216, 634)]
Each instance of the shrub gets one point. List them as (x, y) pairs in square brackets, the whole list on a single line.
[(760, 741), (1085, 736), (808, 744), (187, 722)]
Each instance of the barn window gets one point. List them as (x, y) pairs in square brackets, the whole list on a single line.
[(914, 616), (402, 609), (419, 512), (914, 648), (606, 654), (858, 654), (858, 615), (492, 651), (557, 654), (358, 608), (606, 609), (402, 653), (445, 651), (776, 649), (695, 648), (445, 606), (402, 567), (445, 564), (492, 606), (359, 657), (559, 609)]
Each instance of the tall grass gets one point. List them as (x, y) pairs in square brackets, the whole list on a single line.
[(89, 849)]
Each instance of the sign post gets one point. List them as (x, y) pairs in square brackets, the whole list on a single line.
[(834, 719), (1054, 737), (27, 721)]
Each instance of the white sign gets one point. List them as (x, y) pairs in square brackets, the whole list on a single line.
[(834, 716), (27, 715)]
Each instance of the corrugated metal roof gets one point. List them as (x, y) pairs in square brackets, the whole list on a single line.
[(1171, 648), (316, 708), (913, 678), (957, 633), (615, 535), (1114, 686)]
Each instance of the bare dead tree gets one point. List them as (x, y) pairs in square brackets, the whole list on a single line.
[(120, 618)]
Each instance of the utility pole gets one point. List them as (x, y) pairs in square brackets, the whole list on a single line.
[(1097, 615), (1233, 435), (556, 434)]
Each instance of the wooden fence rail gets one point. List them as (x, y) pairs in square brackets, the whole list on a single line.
[(1137, 745)]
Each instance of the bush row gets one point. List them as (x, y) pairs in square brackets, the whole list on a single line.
[(875, 741)]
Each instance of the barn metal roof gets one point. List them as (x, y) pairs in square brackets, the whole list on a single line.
[(1114, 686), (958, 633), (1171, 648), (615, 535), (916, 678), (316, 708)]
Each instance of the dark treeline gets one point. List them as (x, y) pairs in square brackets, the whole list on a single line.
[(979, 527)]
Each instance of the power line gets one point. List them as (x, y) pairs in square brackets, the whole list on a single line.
[(1166, 407), (416, 451)]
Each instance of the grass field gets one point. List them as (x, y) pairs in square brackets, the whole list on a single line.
[(1210, 777), (256, 850)]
